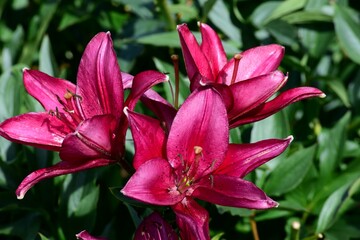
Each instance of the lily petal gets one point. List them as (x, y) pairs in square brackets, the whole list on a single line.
[(249, 94), (154, 183), (200, 122), (159, 106), (284, 99), (243, 158), (92, 139), (35, 129), (254, 62), (149, 137), (142, 82), (212, 48), (126, 80), (196, 63), (232, 191), (192, 219), (46, 89), (99, 79), (58, 169)]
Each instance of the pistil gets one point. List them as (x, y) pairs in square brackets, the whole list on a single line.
[(237, 58)]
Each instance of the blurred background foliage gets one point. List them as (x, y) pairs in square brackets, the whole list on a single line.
[(317, 181)]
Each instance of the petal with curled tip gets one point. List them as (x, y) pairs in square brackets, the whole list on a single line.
[(142, 82), (35, 129), (249, 94), (192, 219), (154, 183), (92, 139), (99, 79), (196, 63), (212, 48), (254, 62), (233, 192), (243, 158), (149, 138), (46, 89), (284, 99), (200, 122), (58, 169)]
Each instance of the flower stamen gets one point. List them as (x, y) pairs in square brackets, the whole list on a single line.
[(237, 58)]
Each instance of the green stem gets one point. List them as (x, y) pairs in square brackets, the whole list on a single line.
[(167, 14)]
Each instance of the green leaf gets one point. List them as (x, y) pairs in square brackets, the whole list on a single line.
[(69, 19), (306, 17), (285, 8), (284, 32), (240, 212), (331, 209), (220, 17), (275, 126), (186, 12), (331, 146), (290, 172), (339, 88), (263, 12), (348, 32), (165, 39), (46, 64)]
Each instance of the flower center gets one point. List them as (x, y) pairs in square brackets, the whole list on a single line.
[(189, 171), (71, 106)]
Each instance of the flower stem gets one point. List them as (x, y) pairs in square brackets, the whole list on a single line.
[(254, 227), (167, 14)]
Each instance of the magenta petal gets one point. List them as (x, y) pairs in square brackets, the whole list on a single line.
[(233, 192), (243, 158), (254, 62), (149, 138), (249, 94), (60, 168), (200, 122), (154, 183), (84, 235), (99, 79), (35, 129), (284, 99), (192, 219), (159, 106), (92, 139), (126, 80), (196, 63), (142, 82), (212, 48), (154, 227), (45, 89)]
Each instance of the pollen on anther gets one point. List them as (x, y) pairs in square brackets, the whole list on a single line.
[(197, 150)]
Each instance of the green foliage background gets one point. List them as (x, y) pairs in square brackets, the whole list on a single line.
[(317, 181)]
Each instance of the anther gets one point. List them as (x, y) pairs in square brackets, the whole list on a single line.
[(175, 60), (197, 150), (237, 58)]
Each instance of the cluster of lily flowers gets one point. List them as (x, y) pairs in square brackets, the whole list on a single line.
[(181, 155)]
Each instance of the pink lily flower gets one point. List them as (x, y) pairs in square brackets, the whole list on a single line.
[(84, 123), (196, 161), (154, 227), (246, 81)]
